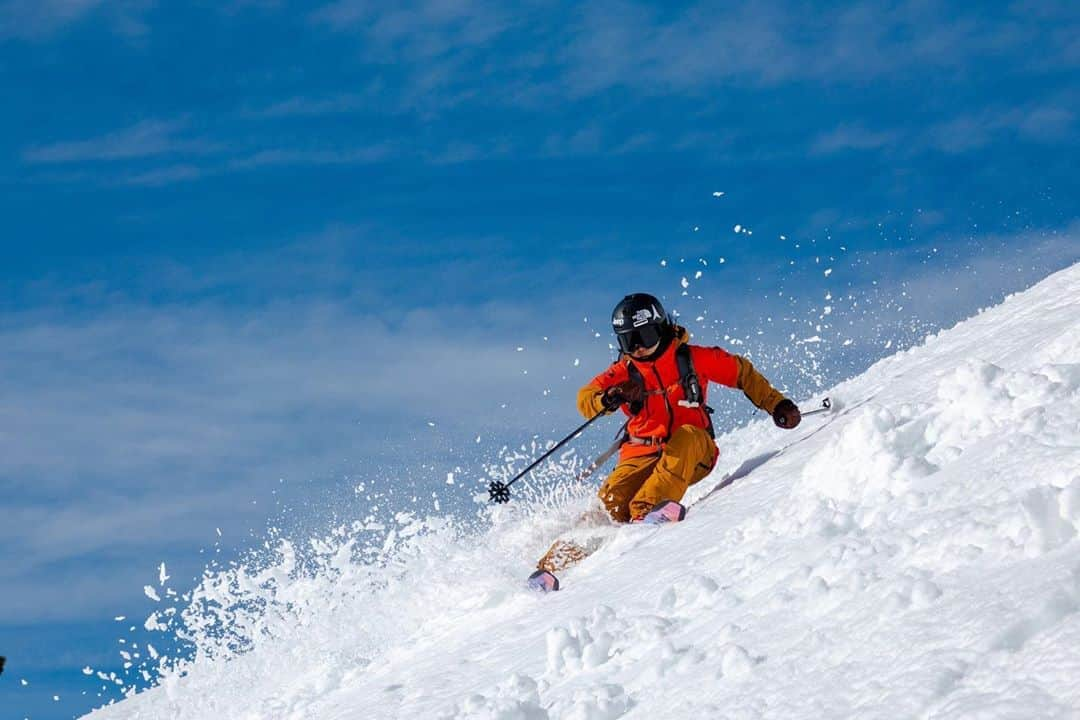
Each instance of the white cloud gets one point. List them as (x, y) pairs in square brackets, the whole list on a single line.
[(30, 19), (167, 175), (304, 106), (39, 20), (1047, 122), (447, 53), (418, 30), (377, 152), (630, 44), (148, 138), (853, 137), (1043, 123)]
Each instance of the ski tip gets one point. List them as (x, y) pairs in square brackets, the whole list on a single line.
[(543, 581)]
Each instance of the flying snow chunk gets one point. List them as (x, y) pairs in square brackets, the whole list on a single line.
[(431, 424), (718, 193), (87, 670), (151, 593), (738, 228), (697, 275), (449, 478), (684, 282), (828, 272), (162, 575)]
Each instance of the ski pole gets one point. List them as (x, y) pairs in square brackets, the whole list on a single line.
[(826, 405), (605, 456), (500, 492)]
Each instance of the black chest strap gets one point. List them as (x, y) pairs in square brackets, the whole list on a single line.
[(638, 379), (687, 378), (693, 397)]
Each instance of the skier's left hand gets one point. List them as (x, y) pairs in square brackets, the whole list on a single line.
[(786, 414), (629, 392)]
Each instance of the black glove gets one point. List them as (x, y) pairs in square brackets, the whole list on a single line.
[(628, 392), (786, 414)]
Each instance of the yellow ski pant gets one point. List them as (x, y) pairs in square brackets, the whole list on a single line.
[(638, 483)]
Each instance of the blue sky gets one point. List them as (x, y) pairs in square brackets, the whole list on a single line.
[(257, 252)]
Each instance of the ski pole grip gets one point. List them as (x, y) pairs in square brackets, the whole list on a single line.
[(825, 406)]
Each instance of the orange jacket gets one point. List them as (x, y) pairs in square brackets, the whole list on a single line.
[(662, 413)]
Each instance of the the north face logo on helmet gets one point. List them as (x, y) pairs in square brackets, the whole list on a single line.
[(644, 315), (618, 321)]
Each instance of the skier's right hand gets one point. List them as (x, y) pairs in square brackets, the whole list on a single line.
[(628, 392), (786, 415)]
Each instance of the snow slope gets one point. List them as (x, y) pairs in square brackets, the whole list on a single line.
[(912, 555)]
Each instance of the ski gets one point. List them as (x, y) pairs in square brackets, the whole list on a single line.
[(564, 554)]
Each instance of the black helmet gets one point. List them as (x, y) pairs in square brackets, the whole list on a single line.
[(640, 321)]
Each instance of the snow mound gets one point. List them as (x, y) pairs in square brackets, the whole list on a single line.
[(915, 553)]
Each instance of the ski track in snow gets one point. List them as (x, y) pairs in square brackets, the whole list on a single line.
[(913, 554)]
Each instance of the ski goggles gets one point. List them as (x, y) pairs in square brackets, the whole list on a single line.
[(642, 337)]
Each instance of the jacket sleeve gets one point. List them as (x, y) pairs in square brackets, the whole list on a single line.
[(589, 397), (719, 366)]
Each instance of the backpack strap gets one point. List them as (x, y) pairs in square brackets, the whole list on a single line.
[(692, 386), (635, 375)]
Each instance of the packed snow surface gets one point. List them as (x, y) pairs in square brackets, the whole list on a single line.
[(912, 554)]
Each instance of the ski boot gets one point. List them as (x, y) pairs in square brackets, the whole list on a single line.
[(664, 511)]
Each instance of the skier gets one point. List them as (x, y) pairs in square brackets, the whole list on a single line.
[(668, 444), (660, 382)]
